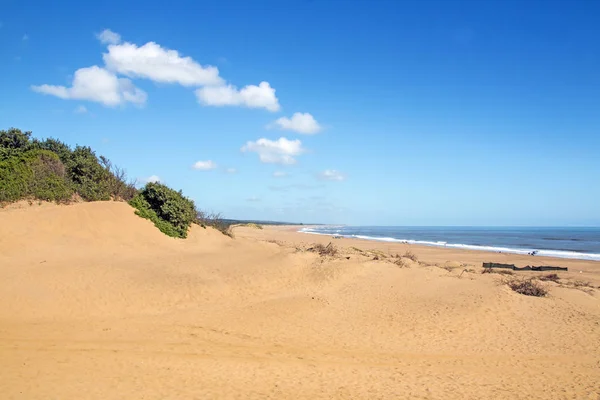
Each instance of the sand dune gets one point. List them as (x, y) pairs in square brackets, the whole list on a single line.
[(96, 303)]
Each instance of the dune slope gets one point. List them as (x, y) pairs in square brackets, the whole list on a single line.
[(96, 303)]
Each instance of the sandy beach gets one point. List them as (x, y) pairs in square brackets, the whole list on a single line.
[(96, 303)]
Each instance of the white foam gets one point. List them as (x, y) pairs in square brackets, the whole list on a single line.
[(546, 253)]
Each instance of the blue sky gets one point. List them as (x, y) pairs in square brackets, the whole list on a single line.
[(409, 112)]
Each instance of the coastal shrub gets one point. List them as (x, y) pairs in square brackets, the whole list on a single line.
[(35, 174), (13, 142), (50, 170), (528, 287), (170, 211)]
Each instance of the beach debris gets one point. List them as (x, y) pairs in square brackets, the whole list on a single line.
[(527, 268)]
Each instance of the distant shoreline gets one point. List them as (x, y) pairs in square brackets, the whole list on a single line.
[(533, 251)]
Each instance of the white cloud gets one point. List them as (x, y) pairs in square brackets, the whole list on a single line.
[(280, 151), (280, 174), (108, 37), (97, 84), (204, 165), (332, 175), (153, 179), (231, 170), (81, 110), (300, 122), (251, 96), (253, 199), (151, 61)]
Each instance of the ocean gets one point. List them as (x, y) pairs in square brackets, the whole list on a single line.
[(581, 243)]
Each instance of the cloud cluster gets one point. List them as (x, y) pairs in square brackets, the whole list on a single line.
[(300, 122), (153, 62), (112, 85), (99, 85), (280, 151), (251, 96)]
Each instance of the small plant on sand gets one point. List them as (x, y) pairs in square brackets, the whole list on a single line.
[(549, 277), (409, 254), (527, 287), (329, 250)]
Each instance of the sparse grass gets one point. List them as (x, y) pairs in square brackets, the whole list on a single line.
[(378, 253), (329, 250), (214, 220), (497, 271), (253, 225), (527, 287), (401, 263), (579, 284), (549, 277), (410, 255)]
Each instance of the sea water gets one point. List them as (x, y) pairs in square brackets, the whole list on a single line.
[(581, 243)]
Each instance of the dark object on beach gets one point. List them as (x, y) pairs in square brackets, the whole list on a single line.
[(541, 268), (527, 268), (498, 265), (533, 253)]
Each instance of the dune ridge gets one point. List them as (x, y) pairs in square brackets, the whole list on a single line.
[(96, 303)]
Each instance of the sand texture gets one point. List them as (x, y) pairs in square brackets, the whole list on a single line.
[(96, 303)]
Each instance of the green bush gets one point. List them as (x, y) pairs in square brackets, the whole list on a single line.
[(170, 211), (50, 170), (35, 174), (13, 143)]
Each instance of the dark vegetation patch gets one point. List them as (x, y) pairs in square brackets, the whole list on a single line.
[(329, 250), (527, 287), (549, 277)]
